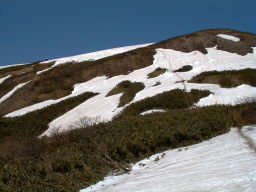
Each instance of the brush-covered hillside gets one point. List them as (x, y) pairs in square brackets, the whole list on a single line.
[(176, 115)]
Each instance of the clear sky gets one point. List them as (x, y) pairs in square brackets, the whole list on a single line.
[(31, 30)]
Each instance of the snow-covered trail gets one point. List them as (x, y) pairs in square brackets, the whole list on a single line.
[(224, 163)]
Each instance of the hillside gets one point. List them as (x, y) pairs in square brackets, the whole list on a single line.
[(183, 169), (67, 123)]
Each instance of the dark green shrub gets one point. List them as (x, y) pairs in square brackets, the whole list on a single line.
[(129, 90), (184, 68), (157, 72), (174, 99)]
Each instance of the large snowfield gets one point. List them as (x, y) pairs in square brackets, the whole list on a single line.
[(223, 164), (105, 108)]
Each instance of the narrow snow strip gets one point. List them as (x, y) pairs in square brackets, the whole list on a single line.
[(95, 55), (229, 37), (42, 71), (12, 92), (4, 78), (223, 163), (36, 106), (152, 111), (6, 66)]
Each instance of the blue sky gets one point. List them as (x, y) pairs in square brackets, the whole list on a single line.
[(36, 29)]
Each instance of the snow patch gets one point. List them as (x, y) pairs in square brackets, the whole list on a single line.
[(42, 71), (105, 109), (4, 78), (231, 96), (229, 37), (152, 111)]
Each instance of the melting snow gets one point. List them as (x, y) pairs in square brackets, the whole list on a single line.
[(6, 96), (42, 71), (4, 78), (152, 111), (224, 163), (229, 37)]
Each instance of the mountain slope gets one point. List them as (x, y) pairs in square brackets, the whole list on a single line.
[(108, 109)]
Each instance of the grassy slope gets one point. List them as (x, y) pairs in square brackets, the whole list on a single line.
[(59, 81)]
